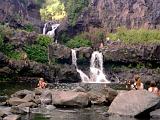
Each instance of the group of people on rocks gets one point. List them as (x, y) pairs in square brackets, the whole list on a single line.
[(138, 85)]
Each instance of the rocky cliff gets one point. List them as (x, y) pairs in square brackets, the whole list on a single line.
[(111, 14), (18, 13)]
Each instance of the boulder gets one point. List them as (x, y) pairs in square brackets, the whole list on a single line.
[(21, 94), (15, 101), (155, 114), (12, 117), (70, 99), (20, 110), (2, 114), (46, 97), (134, 103), (100, 93), (28, 104)]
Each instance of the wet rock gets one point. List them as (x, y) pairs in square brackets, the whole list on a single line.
[(28, 104), (46, 97), (134, 103), (101, 94), (155, 114), (22, 94), (20, 110), (70, 99), (15, 101), (12, 117), (2, 114)]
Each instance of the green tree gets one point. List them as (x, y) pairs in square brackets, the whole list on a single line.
[(74, 8), (53, 10)]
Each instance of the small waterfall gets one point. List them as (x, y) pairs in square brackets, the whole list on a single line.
[(96, 68), (97, 60), (44, 28), (52, 32), (83, 76), (74, 58)]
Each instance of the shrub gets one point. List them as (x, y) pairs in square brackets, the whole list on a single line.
[(29, 27), (78, 41), (44, 40), (37, 53)]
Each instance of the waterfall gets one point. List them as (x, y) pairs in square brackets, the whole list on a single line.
[(52, 32), (44, 28), (83, 76), (74, 58), (97, 60), (96, 68)]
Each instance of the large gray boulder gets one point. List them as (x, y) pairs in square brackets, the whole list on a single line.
[(134, 103), (70, 98), (15, 101)]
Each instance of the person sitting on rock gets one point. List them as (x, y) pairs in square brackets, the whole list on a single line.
[(138, 85), (128, 84), (42, 84), (153, 88)]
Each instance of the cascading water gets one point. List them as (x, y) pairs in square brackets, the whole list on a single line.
[(96, 68), (74, 57), (44, 28), (83, 76), (52, 32)]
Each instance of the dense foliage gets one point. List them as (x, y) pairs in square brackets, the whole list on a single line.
[(78, 41), (53, 10), (136, 35), (74, 8), (39, 51)]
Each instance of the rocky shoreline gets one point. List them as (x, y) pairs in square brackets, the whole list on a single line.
[(134, 103)]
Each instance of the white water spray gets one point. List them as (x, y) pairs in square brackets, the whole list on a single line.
[(44, 28), (74, 57), (52, 32), (96, 68)]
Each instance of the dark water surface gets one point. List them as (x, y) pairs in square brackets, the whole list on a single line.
[(52, 113)]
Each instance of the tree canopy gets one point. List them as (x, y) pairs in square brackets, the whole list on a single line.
[(53, 10)]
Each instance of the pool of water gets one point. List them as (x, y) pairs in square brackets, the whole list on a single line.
[(47, 113)]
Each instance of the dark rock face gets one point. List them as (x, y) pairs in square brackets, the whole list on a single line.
[(121, 62), (111, 14), (18, 13), (60, 52), (52, 73)]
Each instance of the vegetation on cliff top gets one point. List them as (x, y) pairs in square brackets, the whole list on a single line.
[(136, 35), (37, 51)]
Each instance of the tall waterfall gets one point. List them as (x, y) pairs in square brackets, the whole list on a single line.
[(96, 68)]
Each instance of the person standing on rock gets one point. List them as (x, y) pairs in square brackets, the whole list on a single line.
[(138, 85), (42, 84)]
